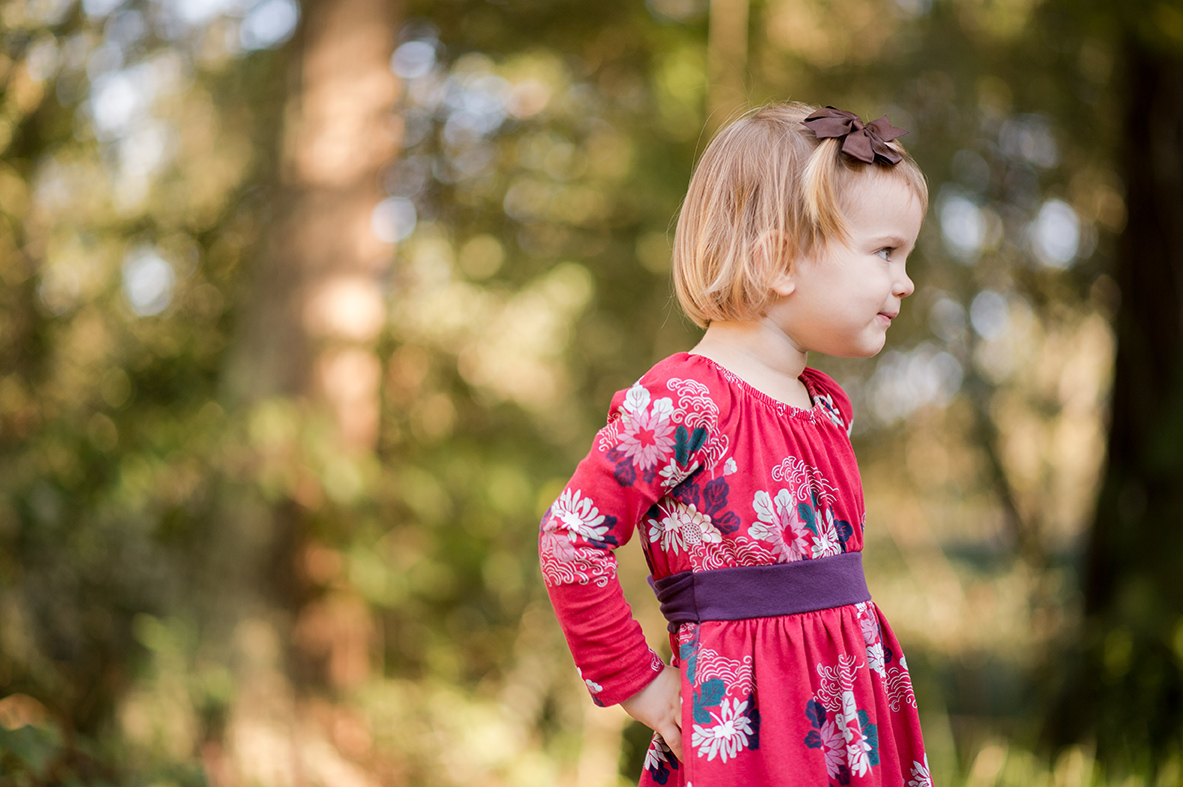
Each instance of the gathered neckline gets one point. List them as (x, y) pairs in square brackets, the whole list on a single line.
[(755, 393)]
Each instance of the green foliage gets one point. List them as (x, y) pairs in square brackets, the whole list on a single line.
[(29, 753)]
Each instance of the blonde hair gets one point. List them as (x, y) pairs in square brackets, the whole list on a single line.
[(765, 192)]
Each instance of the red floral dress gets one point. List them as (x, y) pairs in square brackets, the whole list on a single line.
[(712, 474)]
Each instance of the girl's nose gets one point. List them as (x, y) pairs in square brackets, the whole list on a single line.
[(904, 286)]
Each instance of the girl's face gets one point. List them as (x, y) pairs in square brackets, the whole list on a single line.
[(841, 299)]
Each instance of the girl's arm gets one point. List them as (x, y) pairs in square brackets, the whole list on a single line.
[(656, 436)]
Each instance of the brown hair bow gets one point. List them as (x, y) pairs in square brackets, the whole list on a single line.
[(865, 142)]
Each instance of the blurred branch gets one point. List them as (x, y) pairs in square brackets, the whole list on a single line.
[(1026, 530)]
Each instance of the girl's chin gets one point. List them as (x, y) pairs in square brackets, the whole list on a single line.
[(868, 345), (867, 350), (852, 353)]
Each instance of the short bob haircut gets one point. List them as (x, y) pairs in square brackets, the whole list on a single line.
[(765, 192)]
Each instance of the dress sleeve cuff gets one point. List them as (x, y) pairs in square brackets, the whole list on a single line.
[(624, 684)]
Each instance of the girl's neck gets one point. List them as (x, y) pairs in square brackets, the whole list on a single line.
[(761, 355)]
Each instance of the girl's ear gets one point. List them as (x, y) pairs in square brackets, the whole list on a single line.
[(785, 282), (781, 256)]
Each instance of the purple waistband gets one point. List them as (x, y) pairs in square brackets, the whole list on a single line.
[(762, 591)]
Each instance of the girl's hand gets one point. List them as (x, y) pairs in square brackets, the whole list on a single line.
[(659, 707)]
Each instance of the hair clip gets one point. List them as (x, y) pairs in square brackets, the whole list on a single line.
[(864, 142)]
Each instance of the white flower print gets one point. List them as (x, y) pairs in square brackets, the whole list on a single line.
[(827, 544), (646, 437), (876, 658), (833, 745), (869, 625), (681, 526), (672, 475), (846, 735), (728, 736), (857, 749), (780, 525), (730, 466), (578, 515), (867, 622), (920, 774), (659, 752), (709, 533), (898, 682), (565, 558), (592, 686), (637, 399), (857, 746)]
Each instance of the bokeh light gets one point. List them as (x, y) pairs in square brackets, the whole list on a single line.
[(1055, 234), (148, 281)]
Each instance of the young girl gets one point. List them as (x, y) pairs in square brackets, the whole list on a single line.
[(734, 464)]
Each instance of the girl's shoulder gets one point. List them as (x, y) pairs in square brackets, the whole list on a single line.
[(685, 379), (694, 383), (830, 397)]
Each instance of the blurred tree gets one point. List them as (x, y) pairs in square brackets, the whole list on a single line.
[(311, 324), (1125, 688)]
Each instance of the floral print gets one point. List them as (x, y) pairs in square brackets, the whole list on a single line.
[(843, 731), (660, 761), (727, 733), (798, 531), (579, 517), (573, 540), (672, 475), (646, 434), (716, 475), (648, 430), (682, 526), (826, 403), (722, 699), (877, 656), (827, 540), (920, 775), (592, 686), (780, 525)]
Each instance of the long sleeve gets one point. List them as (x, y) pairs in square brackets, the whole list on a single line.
[(652, 442)]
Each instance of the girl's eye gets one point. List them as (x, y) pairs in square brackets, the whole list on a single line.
[(885, 253)]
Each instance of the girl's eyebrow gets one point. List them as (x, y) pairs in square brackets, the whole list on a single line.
[(889, 240)]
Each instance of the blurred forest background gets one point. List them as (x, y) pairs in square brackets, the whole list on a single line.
[(309, 310)]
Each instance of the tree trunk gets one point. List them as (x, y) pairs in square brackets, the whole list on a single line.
[(305, 362), (316, 306), (315, 313), (1126, 690)]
